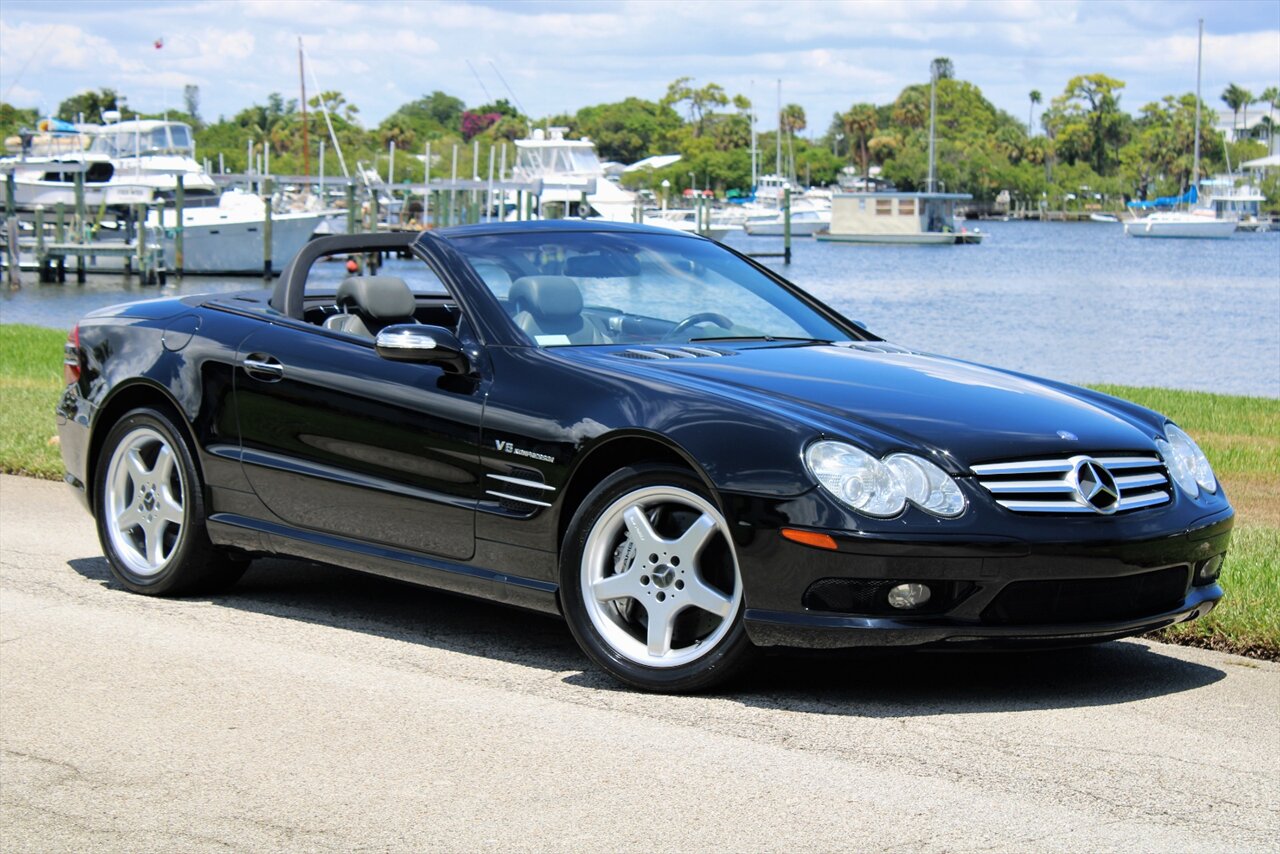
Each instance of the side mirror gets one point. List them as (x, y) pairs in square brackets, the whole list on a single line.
[(428, 345)]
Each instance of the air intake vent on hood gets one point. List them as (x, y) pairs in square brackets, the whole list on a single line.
[(667, 353), (877, 347)]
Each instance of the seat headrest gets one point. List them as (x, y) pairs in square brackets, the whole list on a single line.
[(378, 297), (600, 265), (547, 297)]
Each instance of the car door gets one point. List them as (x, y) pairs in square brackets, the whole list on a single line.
[(338, 440)]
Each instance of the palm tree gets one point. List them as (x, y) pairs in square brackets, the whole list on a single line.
[(1246, 98), (1270, 97), (1035, 99), (1233, 96), (792, 119), (860, 127)]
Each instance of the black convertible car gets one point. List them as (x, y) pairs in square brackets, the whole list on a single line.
[(657, 437)]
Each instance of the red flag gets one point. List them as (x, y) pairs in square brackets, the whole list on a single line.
[(159, 43)]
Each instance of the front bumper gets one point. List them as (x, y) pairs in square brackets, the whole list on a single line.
[(1079, 582)]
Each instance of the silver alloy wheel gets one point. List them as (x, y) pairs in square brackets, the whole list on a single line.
[(145, 499), (626, 559)]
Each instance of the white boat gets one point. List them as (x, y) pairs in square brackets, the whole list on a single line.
[(1181, 224), (1235, 199), (227, 238), (1199, 223), (123, 163), (685, 219), (804, 223), (152, 153), (571, 173), (898, 217), (1099, 217)]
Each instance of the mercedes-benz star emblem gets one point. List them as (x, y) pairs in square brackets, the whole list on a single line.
[(1095, 486)]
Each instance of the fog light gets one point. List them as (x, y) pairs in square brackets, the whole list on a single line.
[(1209, 570), (909, 595)]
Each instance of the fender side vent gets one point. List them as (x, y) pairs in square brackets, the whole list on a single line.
[(521, 490)]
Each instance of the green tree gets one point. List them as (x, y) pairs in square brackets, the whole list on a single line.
[(14, 119), (1086, 121), (699, 102), (91, 105), (792, 120), (629, 130), (942, 68), (859, 128), (1234, 97), (429, 117), (1036, 98), (191, 100)]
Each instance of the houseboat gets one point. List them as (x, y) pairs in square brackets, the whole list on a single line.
[(897, 217)]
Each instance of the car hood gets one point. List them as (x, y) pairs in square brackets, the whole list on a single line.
[(890, 397)]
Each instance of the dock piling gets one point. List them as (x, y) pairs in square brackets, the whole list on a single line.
[(266, 228), (179, 201), (140, 239), (786, 225), (11, 247), (42, 261), (60, 237), (351, 208), (82, 227)]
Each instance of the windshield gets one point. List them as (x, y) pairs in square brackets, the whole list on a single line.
[(583, 288), (127, 141)]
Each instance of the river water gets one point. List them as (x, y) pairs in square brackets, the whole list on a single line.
[(1073, 301)]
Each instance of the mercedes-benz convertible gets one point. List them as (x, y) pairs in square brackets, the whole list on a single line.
[(659, 438)]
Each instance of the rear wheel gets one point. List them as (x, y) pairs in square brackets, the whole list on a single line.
[(650, 582), (151, 513)]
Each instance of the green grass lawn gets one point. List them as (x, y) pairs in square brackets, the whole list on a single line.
[(1241, 435), (30, 382)]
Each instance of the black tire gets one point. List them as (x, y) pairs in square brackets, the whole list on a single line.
[(593, 539), (188, 562)]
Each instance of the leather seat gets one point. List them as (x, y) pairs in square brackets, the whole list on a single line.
[(370, 303), (549, 310)]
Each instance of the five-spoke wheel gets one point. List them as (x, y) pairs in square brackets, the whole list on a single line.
[(652, 586), (149, 506), (144, 506)]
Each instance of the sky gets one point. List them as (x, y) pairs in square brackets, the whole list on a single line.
[(554, 56)]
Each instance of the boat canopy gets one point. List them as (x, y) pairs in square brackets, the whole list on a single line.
[(1190, 197)]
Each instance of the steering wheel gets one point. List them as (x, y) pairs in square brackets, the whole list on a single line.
[(701, 317)]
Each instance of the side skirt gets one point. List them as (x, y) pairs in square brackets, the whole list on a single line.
[(529, 593)]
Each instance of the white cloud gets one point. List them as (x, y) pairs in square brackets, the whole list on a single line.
[(563, 55)]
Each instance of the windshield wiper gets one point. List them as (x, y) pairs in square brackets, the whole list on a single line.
[(770, 338)]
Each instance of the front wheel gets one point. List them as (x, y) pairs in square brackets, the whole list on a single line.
[(150, 511), (650, 582)]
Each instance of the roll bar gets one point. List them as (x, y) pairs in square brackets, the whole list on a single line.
[(288, 293)]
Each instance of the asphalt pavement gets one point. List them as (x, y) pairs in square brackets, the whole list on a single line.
[(316, 709)]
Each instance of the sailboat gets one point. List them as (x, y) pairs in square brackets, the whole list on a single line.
[(1189, 223)]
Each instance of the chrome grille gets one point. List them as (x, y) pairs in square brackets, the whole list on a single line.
[(1045, 485)]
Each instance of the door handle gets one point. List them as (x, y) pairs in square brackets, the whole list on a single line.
[(263, 367)]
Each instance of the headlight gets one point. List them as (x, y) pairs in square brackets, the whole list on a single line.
[(883, 488), (1187, 463)]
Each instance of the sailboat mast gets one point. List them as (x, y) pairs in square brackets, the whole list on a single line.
[(754, 153), (306, 143), (777, 169), (933, 109), (1195, 168)]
